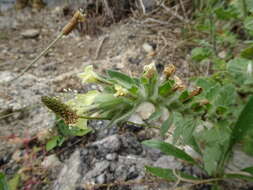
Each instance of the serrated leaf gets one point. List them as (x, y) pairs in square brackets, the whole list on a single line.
[(249, 170), (169, 149), (14, 182), (3, 182), (166, 124), (121, 79)]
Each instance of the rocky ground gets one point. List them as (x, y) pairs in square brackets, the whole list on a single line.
[(112, 156)]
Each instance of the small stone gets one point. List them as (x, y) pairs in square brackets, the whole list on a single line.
[(147, 47), (145, 110), (168, 162), (30, 33), (111, 157), (101, 179), (109, 144), (135, 118), (51, 161)]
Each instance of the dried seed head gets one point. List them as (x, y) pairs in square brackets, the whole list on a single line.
[(77, 18), (149, 70), (179, 85), (169, 70), (203, 102), (60, 109), (196, 92)]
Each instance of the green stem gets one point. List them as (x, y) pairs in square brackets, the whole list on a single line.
[(245, 10)]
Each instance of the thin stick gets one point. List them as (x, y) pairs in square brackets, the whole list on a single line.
[(100, 46)]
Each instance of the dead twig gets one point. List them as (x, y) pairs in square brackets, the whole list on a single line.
[(173, 13), (100, 46)]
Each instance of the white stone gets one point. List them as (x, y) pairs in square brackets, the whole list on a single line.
[(50, 161), (30, 33), (145, 110), (147, 48)]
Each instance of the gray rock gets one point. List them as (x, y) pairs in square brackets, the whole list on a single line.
[(168, 162), (69, 174), (108, 144), (145, 110), (51, 161), (99, 168), (22, 98), (30, 33)]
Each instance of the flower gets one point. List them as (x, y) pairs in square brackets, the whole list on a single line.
[(120, 91), (89, 76), (149, 70)]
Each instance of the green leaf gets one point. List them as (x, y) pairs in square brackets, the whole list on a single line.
[(52, 143), (244, 123), (238, 176), (199, 54), (167, 174), (211, 158), (248, 24), (166, 88), (14, 182), (156, 115), (226, 14), (247, 53), (249, 170), (163, 173), (3, 182), (169, 149), (121, 79), (166, 124)]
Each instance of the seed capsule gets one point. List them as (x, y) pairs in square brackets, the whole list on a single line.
[(77, 18), (60, 109)]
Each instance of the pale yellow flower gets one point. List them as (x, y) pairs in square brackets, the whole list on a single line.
[(120, 91), (89, 76)]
